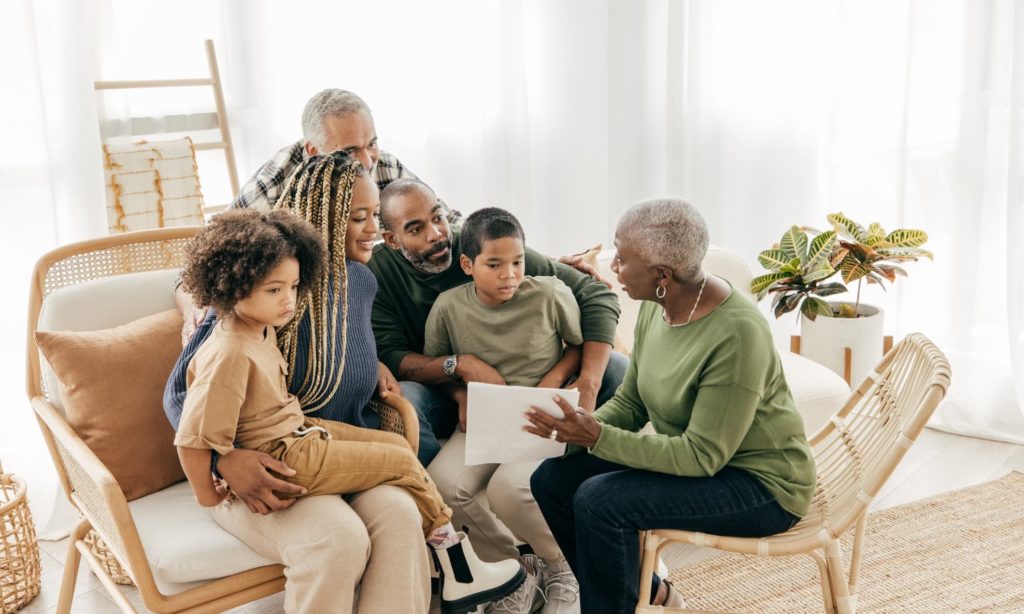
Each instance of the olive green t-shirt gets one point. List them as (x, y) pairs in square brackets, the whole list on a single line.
[(521, 338), (716, 396), (405, 297)]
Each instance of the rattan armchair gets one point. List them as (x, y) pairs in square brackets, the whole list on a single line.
[(88, 484), (856, 452)]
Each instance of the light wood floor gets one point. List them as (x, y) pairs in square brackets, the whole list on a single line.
[(938, 462)]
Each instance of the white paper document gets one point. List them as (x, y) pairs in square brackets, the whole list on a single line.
[(495, 421)]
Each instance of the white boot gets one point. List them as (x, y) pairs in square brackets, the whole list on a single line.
[(466, 581)]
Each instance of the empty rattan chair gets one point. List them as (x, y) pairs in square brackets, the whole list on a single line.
[(96, 285), (856, 452)]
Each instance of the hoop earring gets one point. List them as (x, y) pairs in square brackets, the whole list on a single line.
[(660, 292)]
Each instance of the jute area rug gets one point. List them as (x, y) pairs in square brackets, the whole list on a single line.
[(961, 551)]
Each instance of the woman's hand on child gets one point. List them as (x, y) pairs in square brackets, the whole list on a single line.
[(386, 382), (576, 426), (248, 472)]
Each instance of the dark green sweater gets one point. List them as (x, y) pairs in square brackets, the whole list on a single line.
[(406, 295)]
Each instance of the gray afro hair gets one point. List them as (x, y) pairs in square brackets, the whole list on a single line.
[(666, 231), (328, 103)]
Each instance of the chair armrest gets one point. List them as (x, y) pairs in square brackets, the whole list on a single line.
[(93, 490), (397, 415)]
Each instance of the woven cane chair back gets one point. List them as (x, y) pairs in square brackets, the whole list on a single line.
[(856, 451), (860, 447), (88, 484)]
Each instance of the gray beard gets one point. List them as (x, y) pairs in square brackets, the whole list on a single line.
[(425, 266)]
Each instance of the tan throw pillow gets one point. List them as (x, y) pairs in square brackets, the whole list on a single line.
[(111, 385)]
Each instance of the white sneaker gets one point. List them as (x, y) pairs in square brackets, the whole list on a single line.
[(529, 597), (561, 590)]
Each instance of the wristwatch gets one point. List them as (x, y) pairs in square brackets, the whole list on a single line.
[(449, 365)]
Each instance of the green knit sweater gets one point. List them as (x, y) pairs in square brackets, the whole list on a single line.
[(406, 295), (716, 396)]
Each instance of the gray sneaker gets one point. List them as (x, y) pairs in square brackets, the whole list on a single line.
[(528, 598), (561, 590)]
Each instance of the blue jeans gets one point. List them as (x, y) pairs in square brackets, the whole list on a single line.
[(596, 509), (439, 414)]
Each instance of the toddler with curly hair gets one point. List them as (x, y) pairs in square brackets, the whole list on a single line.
[(288, 338), (251, 267)]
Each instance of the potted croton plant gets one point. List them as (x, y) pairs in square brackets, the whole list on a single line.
[(802, 268)]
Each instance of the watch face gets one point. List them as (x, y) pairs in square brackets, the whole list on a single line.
[(448, 366)]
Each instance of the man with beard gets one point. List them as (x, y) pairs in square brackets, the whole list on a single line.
[(417, 261)]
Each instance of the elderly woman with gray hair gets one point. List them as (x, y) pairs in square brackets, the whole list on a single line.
[(728, 454)]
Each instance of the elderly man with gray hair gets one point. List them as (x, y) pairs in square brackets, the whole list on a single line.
[(333, 120), (728, 454)]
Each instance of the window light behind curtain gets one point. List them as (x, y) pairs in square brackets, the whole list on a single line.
[(906, 112)]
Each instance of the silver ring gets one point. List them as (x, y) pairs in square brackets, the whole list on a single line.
[(553, 435)]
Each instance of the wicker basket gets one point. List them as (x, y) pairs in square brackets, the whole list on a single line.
[(19, 551), (106, 558)]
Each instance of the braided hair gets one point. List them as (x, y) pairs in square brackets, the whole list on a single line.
[(320, 192)]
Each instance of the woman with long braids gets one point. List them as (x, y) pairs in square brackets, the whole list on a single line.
[(328, 544)]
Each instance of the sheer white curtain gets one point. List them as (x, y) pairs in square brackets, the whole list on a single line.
[(51, 165), (762, 114), (493, 103), (906, 112), (49, 152)]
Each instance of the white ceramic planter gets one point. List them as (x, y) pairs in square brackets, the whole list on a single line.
[(824, 341)]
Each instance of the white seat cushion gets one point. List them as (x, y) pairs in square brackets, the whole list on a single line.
[(181, 540), (817, 391), (202, 551)]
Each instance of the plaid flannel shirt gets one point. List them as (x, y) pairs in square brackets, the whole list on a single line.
[(264, 188)]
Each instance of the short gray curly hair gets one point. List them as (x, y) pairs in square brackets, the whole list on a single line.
[(666, 231), (328, 103)]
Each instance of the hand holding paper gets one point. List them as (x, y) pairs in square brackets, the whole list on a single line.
[(575, 425), (496, 420)]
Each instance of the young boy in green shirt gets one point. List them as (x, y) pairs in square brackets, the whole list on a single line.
[(528, 329)]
